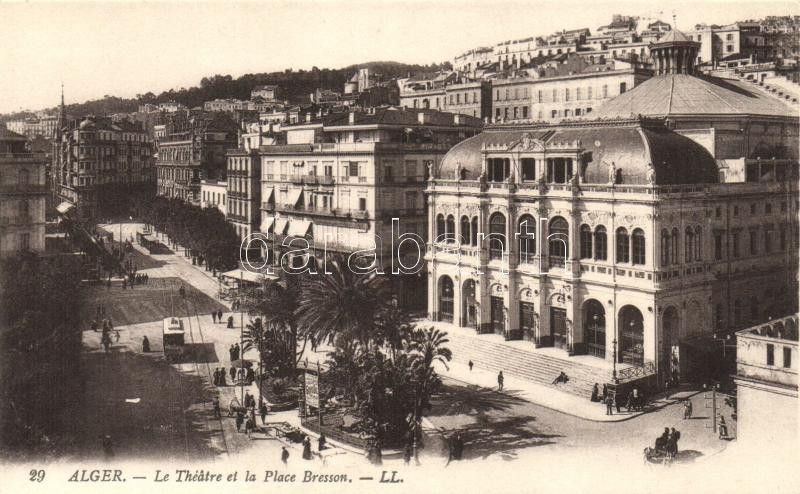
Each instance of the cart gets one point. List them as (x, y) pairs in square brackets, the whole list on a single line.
[(235, 407), (655, 456)]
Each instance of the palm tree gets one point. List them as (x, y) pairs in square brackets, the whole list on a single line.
[(342, 303), (277, 303), (426, 348)]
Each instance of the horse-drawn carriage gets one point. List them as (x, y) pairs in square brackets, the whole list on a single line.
[(658, 456)]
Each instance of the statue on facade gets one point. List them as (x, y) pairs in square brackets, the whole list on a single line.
[(430, 171), (651, 174), (612, 173)]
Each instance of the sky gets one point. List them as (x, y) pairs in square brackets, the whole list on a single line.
[(126, 48)]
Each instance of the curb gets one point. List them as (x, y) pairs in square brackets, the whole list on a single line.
[(623, 419)]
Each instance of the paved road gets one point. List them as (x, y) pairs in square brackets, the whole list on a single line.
[(174, 419)]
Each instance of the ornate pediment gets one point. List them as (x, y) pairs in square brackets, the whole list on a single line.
[(528, 143)]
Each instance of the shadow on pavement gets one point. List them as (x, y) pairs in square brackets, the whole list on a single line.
[(503, 436), (470, 399), (172, 420), (687, 456), (200, 353)]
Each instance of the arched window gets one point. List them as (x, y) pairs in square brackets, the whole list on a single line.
[(664, 247), (558, 241), (623, 245), (600, 243), (450, 228), (638, 246), (23, 208), (586, 242), (446, 299), (674, 247), (527, 238), (497, 236), (474, 232), (465, 236), (440, 228), (688, 244), (698, 244)]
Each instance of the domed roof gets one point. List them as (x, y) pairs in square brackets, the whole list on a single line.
[(674, 36), (628, 145), (684, 94)]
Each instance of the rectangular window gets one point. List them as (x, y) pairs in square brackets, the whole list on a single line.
[(528, 169), (767, 240), (787, 357), (783, 239), (736, 244), (767, 208), (718, 246), (566, 94), (353, 169), (362, 203), (753, 242), (753, 208), (770, 354)]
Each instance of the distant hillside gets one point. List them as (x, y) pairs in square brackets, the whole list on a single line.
[(296, 85)]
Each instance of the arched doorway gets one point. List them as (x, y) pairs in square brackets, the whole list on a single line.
[(445, 299), (631, 328), (594, 328), (469, 312), (669, 360)]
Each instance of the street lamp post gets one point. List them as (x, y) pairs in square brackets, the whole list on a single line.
[(614, 361)]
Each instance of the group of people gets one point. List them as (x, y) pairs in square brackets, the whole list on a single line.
[(634, 401), (107, 328), (239, 375), (216, 316), (667, 442), (234, 352)]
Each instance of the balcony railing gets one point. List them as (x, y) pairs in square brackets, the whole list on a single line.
[(321, 211)]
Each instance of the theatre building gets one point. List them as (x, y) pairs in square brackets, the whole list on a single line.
[(623, 236)]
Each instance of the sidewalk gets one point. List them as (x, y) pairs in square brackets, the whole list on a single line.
[(545, 396)]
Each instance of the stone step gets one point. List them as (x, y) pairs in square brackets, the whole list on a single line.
[(537, 367)]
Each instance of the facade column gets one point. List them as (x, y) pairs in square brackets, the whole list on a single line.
[(512, 297)]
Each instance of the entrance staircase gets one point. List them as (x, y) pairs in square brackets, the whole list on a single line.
[(492, 353)]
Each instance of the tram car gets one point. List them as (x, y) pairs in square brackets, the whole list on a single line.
[(173, 337)]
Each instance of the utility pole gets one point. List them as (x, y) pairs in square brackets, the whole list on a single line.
[(712, 404)]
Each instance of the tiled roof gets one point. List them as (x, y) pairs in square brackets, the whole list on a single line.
[(674, 36), (681, 94)]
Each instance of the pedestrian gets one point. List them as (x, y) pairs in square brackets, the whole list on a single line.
[(124, 283), (116, 336), (251, 376), (595, 393), (106, 341), (249, 427), (247, 398), (240, 375), (108, 447), (407, 454), (219, 316), (182, 291), (470, 364), (500, 380), (605, 392), (617, 403), (230, 353), (306, 448), (687, 409), (236, 351), (674, 436), (636, 398), (233, 375), (284, 455), (239, 420), (230, 322), (215, 404), (214, 316), (609, 404), (321, 442), (216, 376), (145, 345), (723, 428), (263, 410)]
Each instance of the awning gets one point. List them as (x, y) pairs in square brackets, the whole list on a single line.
[(299, 228), (270, 195), (295, 197), (244, 275), (266, 224), (64, 207), (280, 226)]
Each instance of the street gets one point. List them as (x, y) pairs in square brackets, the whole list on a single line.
[(173, 416)]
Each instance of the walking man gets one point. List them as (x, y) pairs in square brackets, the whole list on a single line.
[(687, 409), (609, 405), (215, 403), (214, 316), (284, 455), (500, 380), (470, 365)]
